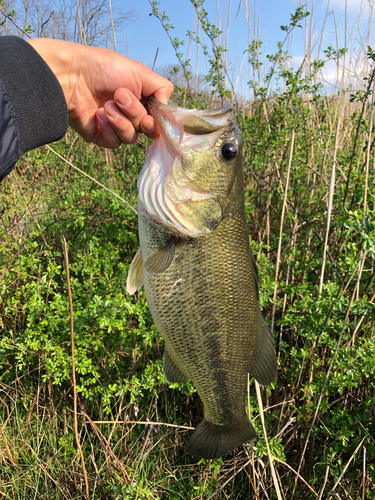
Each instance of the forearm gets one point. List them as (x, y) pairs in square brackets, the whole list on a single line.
[(31, 98)]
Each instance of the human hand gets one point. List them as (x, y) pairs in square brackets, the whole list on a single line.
[(105, 92)]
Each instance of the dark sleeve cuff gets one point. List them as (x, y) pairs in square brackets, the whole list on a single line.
[(36, 95)]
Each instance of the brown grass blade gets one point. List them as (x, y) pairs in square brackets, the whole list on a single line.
[(270, 457), (74, 371), (330, 203), (281, 230)]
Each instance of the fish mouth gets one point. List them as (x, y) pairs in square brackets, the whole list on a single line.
[(197, 126)]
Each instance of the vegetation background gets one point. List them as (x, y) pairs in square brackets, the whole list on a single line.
[(95, 418)]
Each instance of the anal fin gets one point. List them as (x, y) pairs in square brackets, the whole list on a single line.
[(171, 372)]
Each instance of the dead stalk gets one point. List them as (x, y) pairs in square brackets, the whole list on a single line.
[(330, 203), (281, 231), (7, 450), (113, 26), (364, 474), (295, 472), (270, 458), (106, 445), (345, 468), (73, 370), (156, 56), (324, 483), (368, 160)]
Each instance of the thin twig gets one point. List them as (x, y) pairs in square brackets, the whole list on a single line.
[(91, 178), (248, 475), (228, 480), (141, 422), (368, 159), (15, 24), (156, 56), (324, 386), (346, 467), (73, 370), (295, 472), (324, 483), (105, 444)]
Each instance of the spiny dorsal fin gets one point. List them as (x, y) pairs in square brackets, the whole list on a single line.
[(161, 258), (135, 279)]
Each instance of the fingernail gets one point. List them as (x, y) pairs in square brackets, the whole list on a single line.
[(148, 126), (125, 100), (112, 110), (101, 115)]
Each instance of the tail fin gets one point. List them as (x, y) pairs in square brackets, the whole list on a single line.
[(214, 441)]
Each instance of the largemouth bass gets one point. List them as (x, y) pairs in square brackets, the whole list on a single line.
[(199, 274)]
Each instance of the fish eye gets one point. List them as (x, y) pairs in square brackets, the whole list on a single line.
[(229, 150)]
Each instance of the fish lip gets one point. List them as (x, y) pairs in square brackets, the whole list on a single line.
[(154, 106), (152, 103)]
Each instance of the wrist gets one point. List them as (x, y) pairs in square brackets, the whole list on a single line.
[(61, 58)]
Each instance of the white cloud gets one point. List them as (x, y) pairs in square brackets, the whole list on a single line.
[(329, 75), (354, 6)]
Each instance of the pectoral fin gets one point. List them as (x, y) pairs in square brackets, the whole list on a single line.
[(171, 372), (135, 279), (161, 258)]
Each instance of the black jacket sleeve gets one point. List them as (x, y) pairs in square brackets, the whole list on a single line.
[(33, 110)]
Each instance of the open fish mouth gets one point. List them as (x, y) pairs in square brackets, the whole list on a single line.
[(195, 128), (163, 186)]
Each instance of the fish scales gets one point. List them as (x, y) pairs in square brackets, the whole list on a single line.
[(202, 292)]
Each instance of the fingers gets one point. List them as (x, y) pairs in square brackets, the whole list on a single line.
[(163, 94), (106, 136), (122, 119), (148, 127), (154, 84)]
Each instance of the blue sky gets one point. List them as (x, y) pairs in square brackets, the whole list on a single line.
[(145, 32)]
